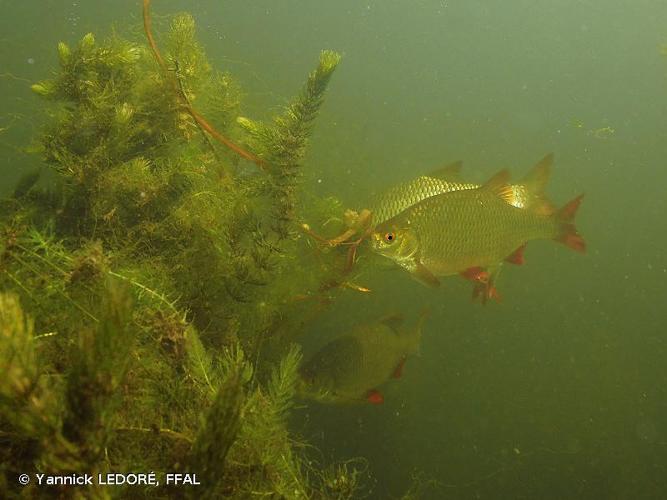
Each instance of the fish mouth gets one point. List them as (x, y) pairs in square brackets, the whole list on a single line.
[(376, 241)]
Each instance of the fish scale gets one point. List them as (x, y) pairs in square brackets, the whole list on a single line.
[(472, 228), (402, 196), (458, 231), (527, 194)]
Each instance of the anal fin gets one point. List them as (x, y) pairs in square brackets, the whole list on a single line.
[(374, 397), (484, 292), (517, 256)]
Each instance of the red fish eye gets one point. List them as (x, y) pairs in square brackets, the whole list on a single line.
[(389, 237)]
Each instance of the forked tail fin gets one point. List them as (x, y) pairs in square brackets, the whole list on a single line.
[(568, 234)]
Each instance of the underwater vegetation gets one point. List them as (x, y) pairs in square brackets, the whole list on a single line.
[(150, 299)]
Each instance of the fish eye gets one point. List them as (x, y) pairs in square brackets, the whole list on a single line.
[(389, 237)]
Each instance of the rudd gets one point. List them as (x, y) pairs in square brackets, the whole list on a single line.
[(528, 194), (470, 231), (352, 367)]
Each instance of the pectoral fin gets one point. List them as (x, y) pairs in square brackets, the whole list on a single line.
[(423, 275)]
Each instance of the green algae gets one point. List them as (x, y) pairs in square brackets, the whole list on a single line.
[(151, 297)]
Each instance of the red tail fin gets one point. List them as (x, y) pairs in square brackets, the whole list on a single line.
[(568, 232)]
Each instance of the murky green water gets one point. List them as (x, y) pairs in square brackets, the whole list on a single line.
[(559, 390)]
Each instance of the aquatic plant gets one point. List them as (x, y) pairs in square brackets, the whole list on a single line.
[(150, 299), (284, 143)]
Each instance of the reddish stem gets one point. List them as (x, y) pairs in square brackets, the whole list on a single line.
[(201, 121)]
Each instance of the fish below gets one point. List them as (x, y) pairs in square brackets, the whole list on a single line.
[(351, 368), (469, 231)]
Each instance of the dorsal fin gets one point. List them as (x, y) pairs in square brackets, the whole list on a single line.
[(393, 321), (538, 176), (499, 186), (451, 172), (534, 184)]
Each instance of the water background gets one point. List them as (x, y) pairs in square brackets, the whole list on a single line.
[(561, 390)]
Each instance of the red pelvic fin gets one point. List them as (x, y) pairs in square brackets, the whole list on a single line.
[(493, 294), (398, 371), (517, 257), (374, 397), (476, 274), (484, 292), (568, 232)]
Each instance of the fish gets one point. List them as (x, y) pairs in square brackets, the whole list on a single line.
[(528, 193), (468, 231), (353, 367)]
